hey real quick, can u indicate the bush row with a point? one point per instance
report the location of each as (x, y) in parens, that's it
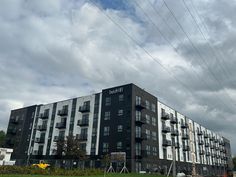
(50, 171)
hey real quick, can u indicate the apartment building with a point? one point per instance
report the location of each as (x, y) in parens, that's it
(119, 119)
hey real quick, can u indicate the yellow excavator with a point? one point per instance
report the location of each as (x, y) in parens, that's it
(41, 165)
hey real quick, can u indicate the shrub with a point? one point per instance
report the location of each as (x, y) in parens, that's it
(50, 171)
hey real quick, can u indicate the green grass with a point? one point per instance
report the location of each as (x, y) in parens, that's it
(107, 175)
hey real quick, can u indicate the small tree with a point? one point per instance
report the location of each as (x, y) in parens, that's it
(2, 138)
(70, 149)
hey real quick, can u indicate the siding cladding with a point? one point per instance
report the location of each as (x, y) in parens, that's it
(120, 119)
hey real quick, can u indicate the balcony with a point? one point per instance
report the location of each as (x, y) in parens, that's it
(186, 148)
(212, 138)
(44, 115)
(222, 143)
(174, 132)
(199, 133)
(176, 145)
(140, 120)
(84, 108)
(206, 135)
(141, 137)
(12, 131)
(62, 112)
(173, 120)
(207, 145)
(61, 125)
(184, 125)
(141, 154)
(82, 137)
(14, 121)
(200, 142)
(217, 148)
(213, 146)
(165, 129)
(216, 140)
(165, 116)
(39, 140)
(185, 136)
(42, 127)
(208, 153)
(58, 138)
(83, 122)
(140, 105)
(166, 143)
(201, 152)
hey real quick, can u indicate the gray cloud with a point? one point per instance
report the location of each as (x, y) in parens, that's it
(61, 49)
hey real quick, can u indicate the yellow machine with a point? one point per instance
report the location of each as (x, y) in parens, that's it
(42, 165)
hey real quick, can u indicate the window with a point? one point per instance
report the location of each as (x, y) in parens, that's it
(137, 131)
(120, 112)
(147, 104)
(148, 133)
(121, 97)
(154, 121)
(82, 146)
(105, 147)
(138, 100)
(154, 151)
(153, 107)
(148, 149)
(108, 101)
(119, 145)
(119, 128)
(137, 148)
(107, 115)
(106, 131)
(147, 119)
(138, 115)
(154, 136)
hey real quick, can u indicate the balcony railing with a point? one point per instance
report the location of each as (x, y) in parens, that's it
(14, 121)
(82, 137)
(61, 125)
(166, 143)
(83, 122)
(185, 136)
(140, 105)
(84, 108)
(165, 116)
(165, 129)
(173, 120)
(42, 127)
(200, 142)
(62, 112)
(44, 115)
(141, 137)
(58, 138)
(174, 132)
(199, 133)
(40, 140)
(186, 148)
(184, 125)
(140, 120)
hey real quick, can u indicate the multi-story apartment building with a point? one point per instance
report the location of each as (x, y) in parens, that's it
(119, 119)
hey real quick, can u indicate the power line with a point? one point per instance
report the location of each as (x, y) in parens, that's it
(146, 51)
(175, 49)
(196, 49)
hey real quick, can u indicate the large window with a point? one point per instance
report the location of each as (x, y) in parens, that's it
(108, 101)
(154, 136)
(121, 97)
(137, 148)
(138, 100)
(147, 104)
(147, 119)
(106, 131)
(119, 128)
(154, 121)
(154, 151)
(120, 112)
(105, 147)
(107, 115)
(148, 149)
(119, 145)
(138, 115)
(153, 107)
(137, 131)
(148, 133)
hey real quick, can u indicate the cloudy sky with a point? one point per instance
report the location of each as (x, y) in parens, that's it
(182, 51)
